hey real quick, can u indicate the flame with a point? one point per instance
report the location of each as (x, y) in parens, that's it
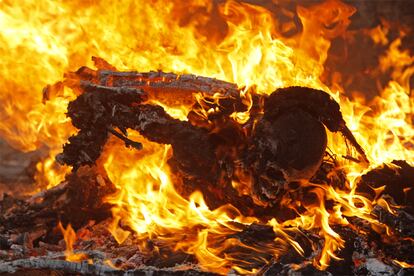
(49, 173)
(232, 41)
(403, 264)
(148, 202)
(69, 236)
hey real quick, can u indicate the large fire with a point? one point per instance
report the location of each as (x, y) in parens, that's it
(242, 43)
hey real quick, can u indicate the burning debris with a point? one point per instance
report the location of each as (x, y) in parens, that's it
(274, 157)
(292, 156)
(283, 142)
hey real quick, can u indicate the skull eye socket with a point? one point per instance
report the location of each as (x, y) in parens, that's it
(275, 174)
(294, 185)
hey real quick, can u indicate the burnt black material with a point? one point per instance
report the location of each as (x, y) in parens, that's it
(282, 145)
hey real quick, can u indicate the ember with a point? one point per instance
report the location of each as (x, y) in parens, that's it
(278, 144)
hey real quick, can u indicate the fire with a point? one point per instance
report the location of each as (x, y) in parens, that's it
(403, 264)
(237, 42)
(148, 202)
(69, 236)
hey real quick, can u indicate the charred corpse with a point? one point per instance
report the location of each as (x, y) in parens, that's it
(281, 144)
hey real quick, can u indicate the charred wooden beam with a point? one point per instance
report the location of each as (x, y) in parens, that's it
(48, 266)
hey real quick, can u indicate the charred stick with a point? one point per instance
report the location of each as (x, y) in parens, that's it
(116, 93)
(350, 158)
(351, 138)
(128, 142)
(157, 81)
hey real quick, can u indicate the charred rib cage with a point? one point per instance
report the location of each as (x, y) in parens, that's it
(281, 145)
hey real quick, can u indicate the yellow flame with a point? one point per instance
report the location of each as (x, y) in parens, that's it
(232, 41)
(69, 236)
(403, 264)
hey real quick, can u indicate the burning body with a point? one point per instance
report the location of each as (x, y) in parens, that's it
(262, 154)
(282, 142)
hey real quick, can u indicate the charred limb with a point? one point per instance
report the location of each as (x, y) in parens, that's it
(77, 200)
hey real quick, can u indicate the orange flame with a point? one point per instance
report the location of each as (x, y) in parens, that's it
(232, 41)
(403, 264)
(69, 236)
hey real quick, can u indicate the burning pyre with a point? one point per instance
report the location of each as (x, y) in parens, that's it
(177, 173)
